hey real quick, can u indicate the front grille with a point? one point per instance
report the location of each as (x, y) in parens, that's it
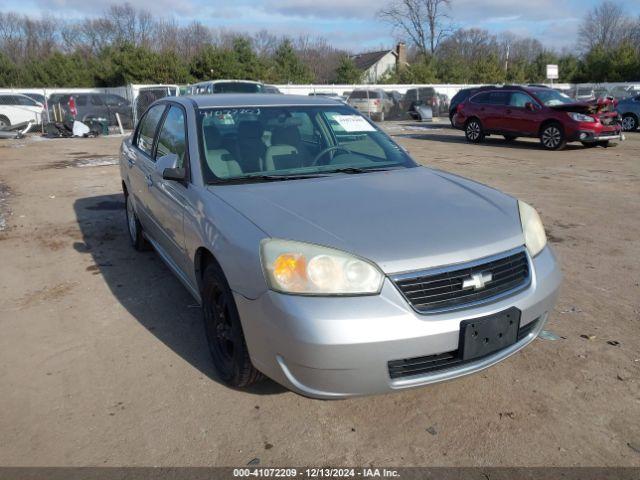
(442, 289)
(407, 367)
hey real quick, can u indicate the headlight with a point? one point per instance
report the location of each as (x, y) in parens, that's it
(307, 269)
(579, 117)
(534, 237)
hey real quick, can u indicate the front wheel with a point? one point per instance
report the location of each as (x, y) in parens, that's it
(224, 332)
(552, 137)
(473, 131)
(629, 122)
(4, 122)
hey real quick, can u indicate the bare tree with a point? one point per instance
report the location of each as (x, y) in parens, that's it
(605, 25)
(425, 22)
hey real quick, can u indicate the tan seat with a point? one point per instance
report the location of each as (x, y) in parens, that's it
(285, 150)
(219, 160)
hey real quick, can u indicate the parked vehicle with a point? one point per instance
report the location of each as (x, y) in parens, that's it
(323, 256)
(629, 110)
(585, 94)
(270, 89)
(444, 102)
(226, 86)
(556, 119)
(374, 103)
(92, 106)
(38, 97)
(332, 96)
(16, 108)
(620, 92)
(422, 96)
(461, 96)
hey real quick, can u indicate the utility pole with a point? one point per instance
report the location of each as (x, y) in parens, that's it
(506, 61)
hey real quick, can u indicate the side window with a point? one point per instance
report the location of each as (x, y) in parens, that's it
(519, 99)
(81, 100)
(305, 126)
(481, 98)
(499, 98)
(96, 100)
(172, 136)
(147, 129)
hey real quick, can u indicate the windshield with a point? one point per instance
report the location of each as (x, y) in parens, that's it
(552, 97)
(267, 143)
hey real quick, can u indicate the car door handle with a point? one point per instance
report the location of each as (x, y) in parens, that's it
(130, 162)
(149, 180)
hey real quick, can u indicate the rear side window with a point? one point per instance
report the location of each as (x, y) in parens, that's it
(364, 94)
(172, 136)
(81, 100)
(148, 127)
(492, 98)
(96, 100)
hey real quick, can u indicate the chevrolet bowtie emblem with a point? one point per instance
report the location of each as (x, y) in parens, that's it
(477, 280)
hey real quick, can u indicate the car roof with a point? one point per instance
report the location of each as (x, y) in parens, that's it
(254, 100)
(209, 82)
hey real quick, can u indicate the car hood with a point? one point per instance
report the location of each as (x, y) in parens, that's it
(576, 107)
(403, 220)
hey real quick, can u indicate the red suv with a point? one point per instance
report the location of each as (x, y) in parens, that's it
(536, 112)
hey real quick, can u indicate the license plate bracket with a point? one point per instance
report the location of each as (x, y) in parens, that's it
(483, 336)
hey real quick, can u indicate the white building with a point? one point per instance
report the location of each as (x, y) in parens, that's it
(375, 65)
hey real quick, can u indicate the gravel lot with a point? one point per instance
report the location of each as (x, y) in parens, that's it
(103, 358)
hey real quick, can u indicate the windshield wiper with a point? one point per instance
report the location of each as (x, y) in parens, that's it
(267, 178)
(356, 170)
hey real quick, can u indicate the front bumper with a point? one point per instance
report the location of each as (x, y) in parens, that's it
(589, 136)
(335, 347)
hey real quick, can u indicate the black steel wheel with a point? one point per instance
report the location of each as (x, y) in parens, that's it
(224, 331)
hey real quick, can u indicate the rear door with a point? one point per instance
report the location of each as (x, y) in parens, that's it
(494, 110)
(140, 165)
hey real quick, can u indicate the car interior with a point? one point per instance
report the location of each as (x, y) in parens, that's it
(243, 143)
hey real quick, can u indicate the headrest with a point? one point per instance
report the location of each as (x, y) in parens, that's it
(212, 138)
(250, 129)
(285, 136)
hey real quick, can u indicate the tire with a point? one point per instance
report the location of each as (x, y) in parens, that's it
(4, 122)
(473, 131)
(381, 116)
(224, 331)
(552, 137)
(136, 236)
(603, 143)
(509, 138)
(589, 144)
(629, 122)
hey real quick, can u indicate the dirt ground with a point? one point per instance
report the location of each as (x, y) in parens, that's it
(103, 358)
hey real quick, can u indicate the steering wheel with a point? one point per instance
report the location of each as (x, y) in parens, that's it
(327, 150)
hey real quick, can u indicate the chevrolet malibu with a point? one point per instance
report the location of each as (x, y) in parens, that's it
(323, 256)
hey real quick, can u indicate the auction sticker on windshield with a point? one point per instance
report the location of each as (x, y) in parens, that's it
(354, 123)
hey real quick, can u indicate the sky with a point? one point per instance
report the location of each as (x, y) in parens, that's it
(349, 24)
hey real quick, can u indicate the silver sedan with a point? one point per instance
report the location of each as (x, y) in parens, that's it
(323, 256)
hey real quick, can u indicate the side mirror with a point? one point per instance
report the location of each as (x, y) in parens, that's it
(168, 165)
(529, 106)
(176, 174)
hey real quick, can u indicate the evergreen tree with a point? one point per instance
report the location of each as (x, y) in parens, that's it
(347, 72)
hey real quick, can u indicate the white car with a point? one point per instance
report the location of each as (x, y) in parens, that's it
(16, 108)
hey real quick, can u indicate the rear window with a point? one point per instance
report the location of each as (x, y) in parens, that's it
(237, 87)
(365, 94)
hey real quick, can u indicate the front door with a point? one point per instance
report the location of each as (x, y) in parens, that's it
(523, 120)
(167, 197)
